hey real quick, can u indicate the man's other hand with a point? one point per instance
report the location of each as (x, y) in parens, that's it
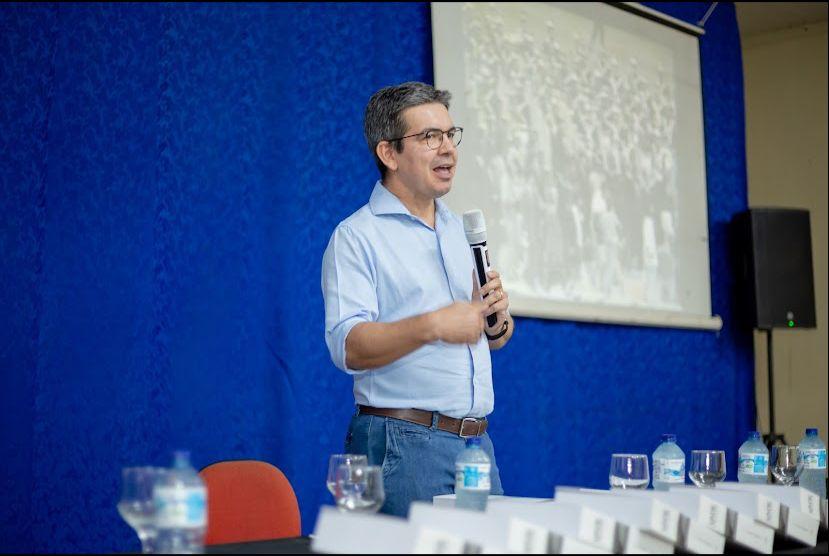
(460, 323)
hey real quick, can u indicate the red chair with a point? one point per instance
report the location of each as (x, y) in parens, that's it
(249, 500)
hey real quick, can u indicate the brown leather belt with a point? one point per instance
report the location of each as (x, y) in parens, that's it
(466, 427)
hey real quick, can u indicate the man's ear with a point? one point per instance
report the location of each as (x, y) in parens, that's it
(387, 155)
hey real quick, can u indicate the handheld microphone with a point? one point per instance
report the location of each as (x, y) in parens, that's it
(475, 229)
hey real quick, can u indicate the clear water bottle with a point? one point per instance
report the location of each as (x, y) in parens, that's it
(472, 483)
(181, 509)
(753, 460)
(813, 455)
(668, 464)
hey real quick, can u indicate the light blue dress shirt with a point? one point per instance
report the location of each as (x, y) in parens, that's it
(383, 264)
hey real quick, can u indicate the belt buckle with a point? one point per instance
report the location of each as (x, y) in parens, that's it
(463, 422)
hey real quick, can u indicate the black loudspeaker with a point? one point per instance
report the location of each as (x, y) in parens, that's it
(773, 248)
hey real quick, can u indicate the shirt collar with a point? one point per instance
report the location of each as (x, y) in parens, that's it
(383, 201)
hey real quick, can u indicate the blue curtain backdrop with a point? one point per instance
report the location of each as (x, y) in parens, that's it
(170, 178)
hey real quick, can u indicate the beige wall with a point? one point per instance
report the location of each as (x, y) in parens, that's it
(785, 76)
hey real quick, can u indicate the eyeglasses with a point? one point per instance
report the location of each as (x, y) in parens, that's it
(434, 137)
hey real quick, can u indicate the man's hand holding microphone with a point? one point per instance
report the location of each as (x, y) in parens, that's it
(462, 323)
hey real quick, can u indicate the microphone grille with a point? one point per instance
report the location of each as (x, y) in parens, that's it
(474, 226)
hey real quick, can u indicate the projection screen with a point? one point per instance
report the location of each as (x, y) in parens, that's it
(583, 146)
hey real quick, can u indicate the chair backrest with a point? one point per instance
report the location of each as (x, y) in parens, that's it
(249, 500)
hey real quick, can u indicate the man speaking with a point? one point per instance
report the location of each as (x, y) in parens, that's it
(403, 313)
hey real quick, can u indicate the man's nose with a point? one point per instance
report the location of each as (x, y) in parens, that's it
(446, 146)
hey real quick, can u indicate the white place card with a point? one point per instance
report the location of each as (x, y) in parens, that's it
(699, 539)
(353, 533)
(799, 526)
(744, 521)
(477, 529)
(697, 506)
(639, 541)
(769, 511)
(524, 537)
(799, 509)
(572, 528)
(649, 515)
(807, 501)
(824, 514)
(633, 519)
(795, 497)
(568, 545)
(767, 507)
(750, 503)
(747, 532)
(431, 541)
(692, 536)
(712, 514)
(598, 528)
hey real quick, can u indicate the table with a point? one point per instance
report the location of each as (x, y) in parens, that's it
(302, 545)
(293, 545)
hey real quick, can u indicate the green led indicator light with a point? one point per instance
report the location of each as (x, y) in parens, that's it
(791, 323)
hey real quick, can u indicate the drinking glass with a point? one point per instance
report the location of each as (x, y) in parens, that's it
(359, 488)
(136, 505)
(629, 471)
(335, 461)
(707, 467)
(785, 464)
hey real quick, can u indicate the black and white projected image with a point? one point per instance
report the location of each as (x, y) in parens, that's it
(573, 154)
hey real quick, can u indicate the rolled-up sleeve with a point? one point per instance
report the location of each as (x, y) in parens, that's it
(348, 289)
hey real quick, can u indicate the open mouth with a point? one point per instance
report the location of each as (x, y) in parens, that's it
(444, 171)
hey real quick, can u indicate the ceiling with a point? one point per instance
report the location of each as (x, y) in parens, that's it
(762, 17)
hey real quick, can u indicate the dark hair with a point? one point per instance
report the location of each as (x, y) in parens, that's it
(384, 113)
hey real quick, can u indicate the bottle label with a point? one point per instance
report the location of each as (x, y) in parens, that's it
(754, 464)
(472, 476)
(669, 470)
(814, 458)
(180, 507)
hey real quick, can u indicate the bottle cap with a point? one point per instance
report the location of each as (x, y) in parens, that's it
(811, 432)
(754, 434)
(473, 441)
(668, 437)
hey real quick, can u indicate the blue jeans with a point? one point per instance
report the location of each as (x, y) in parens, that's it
(418, 462)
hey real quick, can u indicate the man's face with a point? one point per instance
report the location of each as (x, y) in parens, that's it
(427, 172)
